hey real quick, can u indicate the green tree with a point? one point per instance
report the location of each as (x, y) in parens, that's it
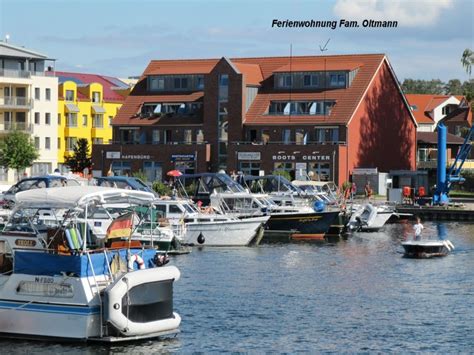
(453, 87)
(468, 89)
(140, 175)
(80, 159)
(434, 86)
(467, 60)
(17, 151)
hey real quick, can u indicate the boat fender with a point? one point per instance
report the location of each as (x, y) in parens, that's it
(201, 239)
(450, 244)
(319, 206)
(138, 259)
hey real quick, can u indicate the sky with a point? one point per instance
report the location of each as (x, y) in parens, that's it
(120, 37)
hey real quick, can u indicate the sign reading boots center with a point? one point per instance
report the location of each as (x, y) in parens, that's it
(289, 157)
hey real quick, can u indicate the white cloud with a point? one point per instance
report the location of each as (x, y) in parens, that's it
(418, 13)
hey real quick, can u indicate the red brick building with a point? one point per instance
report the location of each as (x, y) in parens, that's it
(326, 114)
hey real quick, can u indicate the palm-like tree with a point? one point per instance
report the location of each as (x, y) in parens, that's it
(467, 60)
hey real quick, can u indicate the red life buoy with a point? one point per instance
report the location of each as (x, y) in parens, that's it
(136, 259)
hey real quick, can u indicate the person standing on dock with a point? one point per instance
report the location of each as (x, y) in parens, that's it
(418, 227)
(368, 191)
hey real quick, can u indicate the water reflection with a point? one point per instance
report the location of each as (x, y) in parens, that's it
(357, 295)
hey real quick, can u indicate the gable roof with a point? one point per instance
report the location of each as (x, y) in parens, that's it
(107, 83)
(426, 103)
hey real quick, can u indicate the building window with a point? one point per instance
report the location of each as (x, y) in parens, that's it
(301, 137)
(47, 143)
(41, 169)
(167, 137)
(155, 136)
(337, 80)
(98, 121)
(223, 87)
(37, 142)
(48, 94)
(37, 94)
(111, 118)
(180, 83)
(153, 170)
(59, 119)
(311, 80)
(200, 83)
(96, 97)
(71, 119)
(69, 95)
(37, 118)
(284, 80)
(288, 167)
(70, 143)
(156, 83)
(47, 118)
(6, 91)
(457, 130)
(59, 143)
(122, 168)
(321, 171)
(188, 136)
(265, 136)
(84, 120)
(97, 140)
(199, 136)
(326, 135)
(249, 168)
(286, 136)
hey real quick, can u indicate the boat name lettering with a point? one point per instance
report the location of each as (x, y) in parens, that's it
(44, 280)
(25, 242)
(303, 157)
(48, 289)
(136, 156)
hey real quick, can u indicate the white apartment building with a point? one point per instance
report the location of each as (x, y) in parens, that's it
(28, 103)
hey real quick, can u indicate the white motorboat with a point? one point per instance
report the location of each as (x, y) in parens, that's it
(54, 284)
(427, 248)
(207, 227)
(367, 218)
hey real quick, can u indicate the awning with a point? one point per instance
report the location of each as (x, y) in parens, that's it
(97, 109)
(72, 108)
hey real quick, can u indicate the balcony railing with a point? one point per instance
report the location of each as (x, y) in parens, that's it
(16, 102)
(17, 126)
(24, 74)
(156, 143)
(288, 143)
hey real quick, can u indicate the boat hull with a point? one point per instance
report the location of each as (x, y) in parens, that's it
(223, 233)
(425, 249)
(284, 226)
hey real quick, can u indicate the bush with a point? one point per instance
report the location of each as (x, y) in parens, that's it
(140, 175)
(161, 188)
(283, 173)
(468, 185)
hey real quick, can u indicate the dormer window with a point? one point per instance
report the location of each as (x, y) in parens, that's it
(337, 80)
(180, 83)
(69, 95)
(96, 97)
(300, 108)
(310, 80)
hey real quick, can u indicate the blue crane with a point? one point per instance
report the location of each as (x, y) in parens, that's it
(443, 180)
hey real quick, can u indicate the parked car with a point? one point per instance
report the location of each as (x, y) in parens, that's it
(123, 182)
(36, 182)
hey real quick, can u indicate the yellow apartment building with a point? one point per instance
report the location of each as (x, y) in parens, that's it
(87, 105)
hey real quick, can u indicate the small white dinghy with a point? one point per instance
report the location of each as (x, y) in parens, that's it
(422, 249)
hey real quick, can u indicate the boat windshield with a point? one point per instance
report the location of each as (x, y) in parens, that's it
(271, 184)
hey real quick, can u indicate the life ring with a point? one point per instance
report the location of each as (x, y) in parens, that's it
(138, 259)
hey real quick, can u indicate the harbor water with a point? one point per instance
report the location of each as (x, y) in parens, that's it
(357, 295)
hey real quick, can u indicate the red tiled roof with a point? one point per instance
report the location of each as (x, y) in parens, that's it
(347, 99)
(251, 72)
(187, 66)
(432, 138)
(106, 82)
(317, 66)
(421, 101)
(257, 71)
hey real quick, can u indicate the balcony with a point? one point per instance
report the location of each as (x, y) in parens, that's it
(16, 126)
(21, 74)
(13, 102)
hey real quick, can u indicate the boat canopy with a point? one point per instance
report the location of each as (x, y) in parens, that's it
(79, 196)
(212, 182)
(269, 184)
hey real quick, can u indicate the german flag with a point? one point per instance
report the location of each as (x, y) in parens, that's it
(121, 227)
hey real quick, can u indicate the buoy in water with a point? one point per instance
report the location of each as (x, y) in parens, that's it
(201, 239)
